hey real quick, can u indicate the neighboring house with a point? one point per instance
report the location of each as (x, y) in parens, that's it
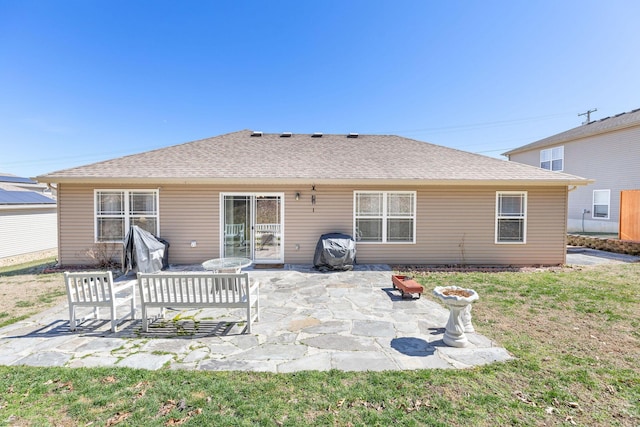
(269, 197)
(606, 150)
(28, 219)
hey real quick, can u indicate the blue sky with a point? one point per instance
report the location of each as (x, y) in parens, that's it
(83, 81)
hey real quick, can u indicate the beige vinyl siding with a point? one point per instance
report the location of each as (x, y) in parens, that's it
(76, 225)
(457, 226)
(454, 224)
(305, 223)
(193, 213)
(611, 159)
(24, 231)
(190, 214)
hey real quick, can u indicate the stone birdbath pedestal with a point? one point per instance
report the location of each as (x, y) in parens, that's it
(459, 302)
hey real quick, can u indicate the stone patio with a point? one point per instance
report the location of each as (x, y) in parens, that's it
(351, 321)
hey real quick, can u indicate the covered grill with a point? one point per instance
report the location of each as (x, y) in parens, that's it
(335, 251)
(144, 252)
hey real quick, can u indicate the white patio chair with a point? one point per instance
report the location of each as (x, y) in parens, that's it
(233, 232)
(96, 289)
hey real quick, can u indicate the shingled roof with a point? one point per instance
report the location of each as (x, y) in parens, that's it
(608, 124)
(247, 157)
(21, 197)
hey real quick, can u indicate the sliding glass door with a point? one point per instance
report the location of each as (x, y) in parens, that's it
(267, 229)
(236, 239)
(252, 226)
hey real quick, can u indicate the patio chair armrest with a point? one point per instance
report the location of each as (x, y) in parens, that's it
(254, 286)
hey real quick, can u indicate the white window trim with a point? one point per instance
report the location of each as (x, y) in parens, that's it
(593, 205)
(127, 223)
(252, 219)
(551, 159)
(385, 216)
(524, 217)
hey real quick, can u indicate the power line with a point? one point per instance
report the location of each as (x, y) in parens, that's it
(477, 125)
(588, 114)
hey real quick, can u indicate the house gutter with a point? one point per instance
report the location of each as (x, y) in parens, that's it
(317, 181)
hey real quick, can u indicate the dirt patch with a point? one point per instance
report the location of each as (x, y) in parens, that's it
(458, 268)
(27, 294)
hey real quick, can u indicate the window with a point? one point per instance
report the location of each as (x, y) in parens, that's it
(385, 216)
(117, 210)
(511, 216)
(601, 199)
(552, 159)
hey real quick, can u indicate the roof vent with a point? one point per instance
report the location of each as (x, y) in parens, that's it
(352, 135)
(256, 133)
(317, 135)
(286, 135)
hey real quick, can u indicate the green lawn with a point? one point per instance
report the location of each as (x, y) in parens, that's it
(575, 334)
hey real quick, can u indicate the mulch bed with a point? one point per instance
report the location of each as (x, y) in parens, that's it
(62, 269)
(396, 267)
(474, 268)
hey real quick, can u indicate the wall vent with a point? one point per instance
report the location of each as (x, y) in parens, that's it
(256, 133)
(352, 135)
(286, 135)
(317, 135)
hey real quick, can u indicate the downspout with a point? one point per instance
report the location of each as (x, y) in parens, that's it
(584, 211)
(54, 193)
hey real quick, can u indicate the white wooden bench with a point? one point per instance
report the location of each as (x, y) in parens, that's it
(96, 289)
(198, 290)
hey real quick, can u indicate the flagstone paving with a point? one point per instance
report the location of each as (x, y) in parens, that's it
(351, 321)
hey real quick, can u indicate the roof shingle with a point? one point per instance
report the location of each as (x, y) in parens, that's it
(608, 124)
(241, 157)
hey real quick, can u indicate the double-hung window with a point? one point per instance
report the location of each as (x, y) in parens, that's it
(601, 202)
(511, 217)
(552, 159)
(385, 216)
(117, 210)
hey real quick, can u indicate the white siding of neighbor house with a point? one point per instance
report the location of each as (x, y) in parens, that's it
(23, 231)
(454, 224)
(611, 159)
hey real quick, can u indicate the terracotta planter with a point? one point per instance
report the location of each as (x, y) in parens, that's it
(407, 285)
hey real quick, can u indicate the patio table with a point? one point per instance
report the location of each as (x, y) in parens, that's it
(226, 265)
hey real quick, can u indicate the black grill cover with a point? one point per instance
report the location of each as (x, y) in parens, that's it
(145, 252)
(335, 251)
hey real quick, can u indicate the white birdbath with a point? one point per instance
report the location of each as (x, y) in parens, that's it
(459, 302)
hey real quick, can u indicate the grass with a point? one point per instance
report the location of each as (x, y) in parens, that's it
(32, 267)
(25, 290)
(574, 334)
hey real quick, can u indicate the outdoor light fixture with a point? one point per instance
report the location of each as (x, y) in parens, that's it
(297, 196)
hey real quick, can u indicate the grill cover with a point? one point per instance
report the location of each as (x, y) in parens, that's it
(145, 252)
(335, 251)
